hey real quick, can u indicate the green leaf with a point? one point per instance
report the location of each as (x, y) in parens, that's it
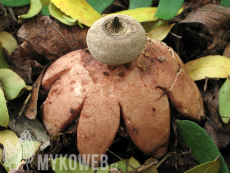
(12, 149)
(4, 116)
(45, 11)
(209, 167)
(139, 3)
(15, 3)
(119, 165)
(35, 8)
(8, 41)
(224, 101)
(134, 163)
(3, 61)
(100, 5)
(225, 3)
(167, 9)
(12, 83)
(202, 146)
(58, 14)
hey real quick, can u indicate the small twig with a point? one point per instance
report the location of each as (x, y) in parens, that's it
(24, 105)
(122, 160)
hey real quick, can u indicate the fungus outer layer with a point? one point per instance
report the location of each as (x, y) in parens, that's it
(116, 39)
(79, 85)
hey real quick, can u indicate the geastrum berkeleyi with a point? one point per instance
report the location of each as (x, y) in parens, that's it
(101, 93)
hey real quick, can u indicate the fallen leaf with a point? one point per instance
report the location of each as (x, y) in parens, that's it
(8, 41)
(31, 107)
(29, 148)
(139, 3)
(214, 66)
(35, 8)
(167, 9)
(213, 16)
(59, 15)
(5, 19)
(99, 6)
(78, 9)
(152, 169)
(12, 149)
(225, 3)
(133, 162)
(52, 40)
(148, 26)
(12, 83)
(23, 61)
(141, 14)
(227, 51)
(13, 3)
(210, 167)
(4, 116)
(160, 32)
(224, 101)
(3, 61)
(202, 146)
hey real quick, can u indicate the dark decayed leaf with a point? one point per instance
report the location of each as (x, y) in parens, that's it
(167, 9)
(15, 3)
(99, 6)
(202, 146)
(139, 3)
(214, 17)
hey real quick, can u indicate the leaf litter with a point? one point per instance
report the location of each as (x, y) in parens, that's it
(194, 35)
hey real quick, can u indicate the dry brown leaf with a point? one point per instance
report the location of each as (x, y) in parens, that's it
(31, 107)
(214, 17)
(52, 39)
(23, 61)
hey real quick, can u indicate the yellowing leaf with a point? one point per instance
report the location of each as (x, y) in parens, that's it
(8, 41)
(35, 8)
(12, 149)
(209, 167)
(59, 15)
(160, 32)
(148, 26)
(214, 66)
(12, 83)
(133, 162)
(78, 9)
(29, 148)
(141, 14)
(4, 116)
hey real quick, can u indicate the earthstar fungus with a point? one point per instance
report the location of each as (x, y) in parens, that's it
(138, 91)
